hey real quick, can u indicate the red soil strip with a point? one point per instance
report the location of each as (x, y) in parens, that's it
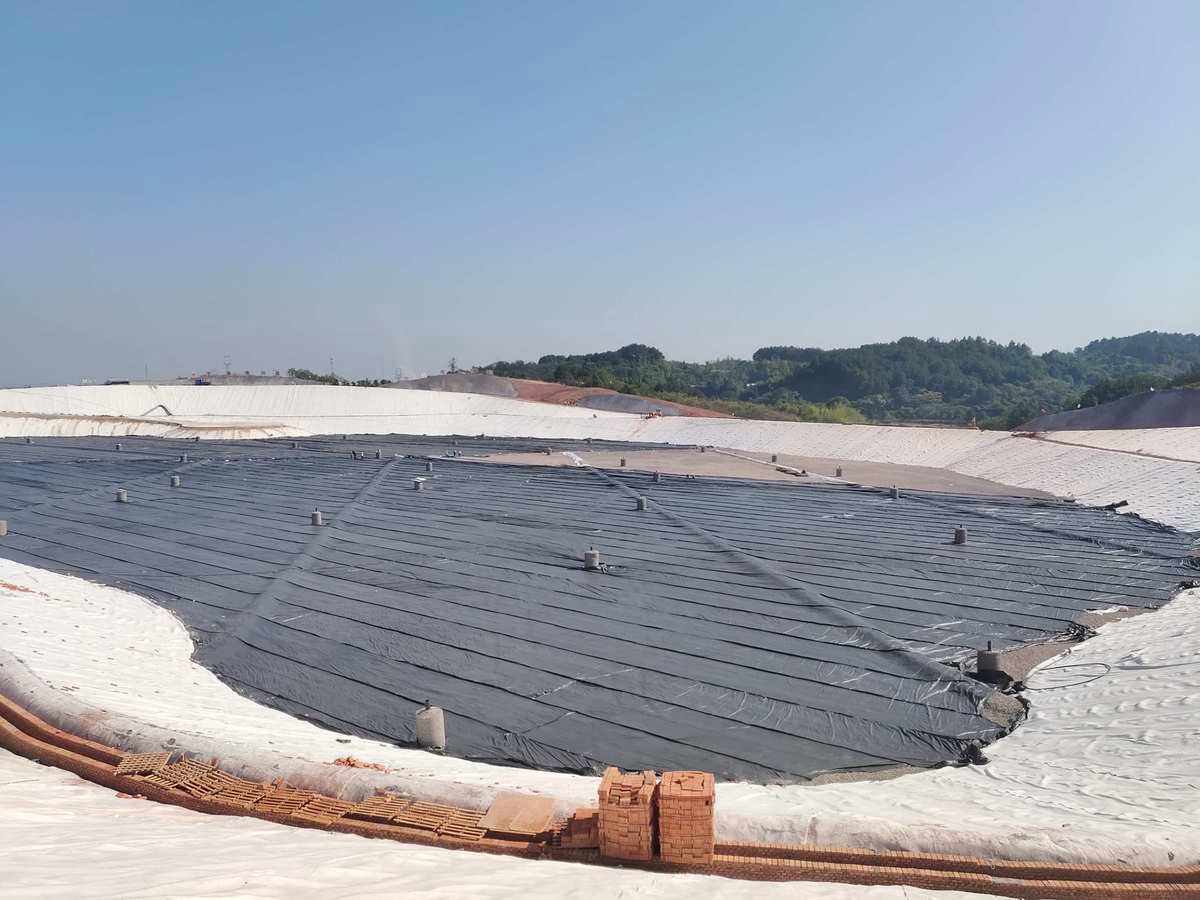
(351, 762)
(566, 395)
(25, 734)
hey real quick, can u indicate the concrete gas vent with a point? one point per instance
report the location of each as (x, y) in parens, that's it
(591, 560)
(431, 728)
(122, 496)
(960, 535)
(317, 518)
(987, 666)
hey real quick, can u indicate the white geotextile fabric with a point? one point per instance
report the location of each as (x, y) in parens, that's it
(61, 837)
(1179, 443)
(1162, 490)
(1101, 771)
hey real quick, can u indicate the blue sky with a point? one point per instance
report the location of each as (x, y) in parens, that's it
(395, 184)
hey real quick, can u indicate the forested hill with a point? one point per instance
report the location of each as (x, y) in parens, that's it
(909, 380)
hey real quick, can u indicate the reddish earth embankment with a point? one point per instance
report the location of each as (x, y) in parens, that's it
(560, 394)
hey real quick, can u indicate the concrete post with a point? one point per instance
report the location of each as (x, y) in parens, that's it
(431, 728)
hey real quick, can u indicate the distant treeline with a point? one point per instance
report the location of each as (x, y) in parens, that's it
(910, 380)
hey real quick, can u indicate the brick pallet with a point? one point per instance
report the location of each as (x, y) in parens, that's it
(24, 733)
(686, 802)
(627, 814)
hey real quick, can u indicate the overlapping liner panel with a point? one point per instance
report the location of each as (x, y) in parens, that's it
(761, 631)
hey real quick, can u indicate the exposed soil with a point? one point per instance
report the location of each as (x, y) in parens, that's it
(550, 392)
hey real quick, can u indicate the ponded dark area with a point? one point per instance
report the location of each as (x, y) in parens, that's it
(1153, 409)
(762, 631)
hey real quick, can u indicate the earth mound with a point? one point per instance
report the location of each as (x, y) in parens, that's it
(551, 392)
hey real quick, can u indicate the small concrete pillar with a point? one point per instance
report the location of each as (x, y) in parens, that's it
(641, 504)
(960, 535)
(122, 496)
(895, 492)
(591, 559)
(418, 484)
(317, 518)
(3, 527)
(431, 728)
(176, 481)
(987, 662)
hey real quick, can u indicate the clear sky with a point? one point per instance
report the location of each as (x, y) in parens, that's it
(393, 184)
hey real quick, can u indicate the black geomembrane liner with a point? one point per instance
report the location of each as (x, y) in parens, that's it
(763, 631)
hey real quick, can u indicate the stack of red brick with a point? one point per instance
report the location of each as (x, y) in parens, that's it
(634, 810)
(685, 817)
(627, 809)
(582, 831)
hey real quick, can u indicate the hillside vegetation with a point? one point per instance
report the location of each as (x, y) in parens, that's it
(910, 380)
